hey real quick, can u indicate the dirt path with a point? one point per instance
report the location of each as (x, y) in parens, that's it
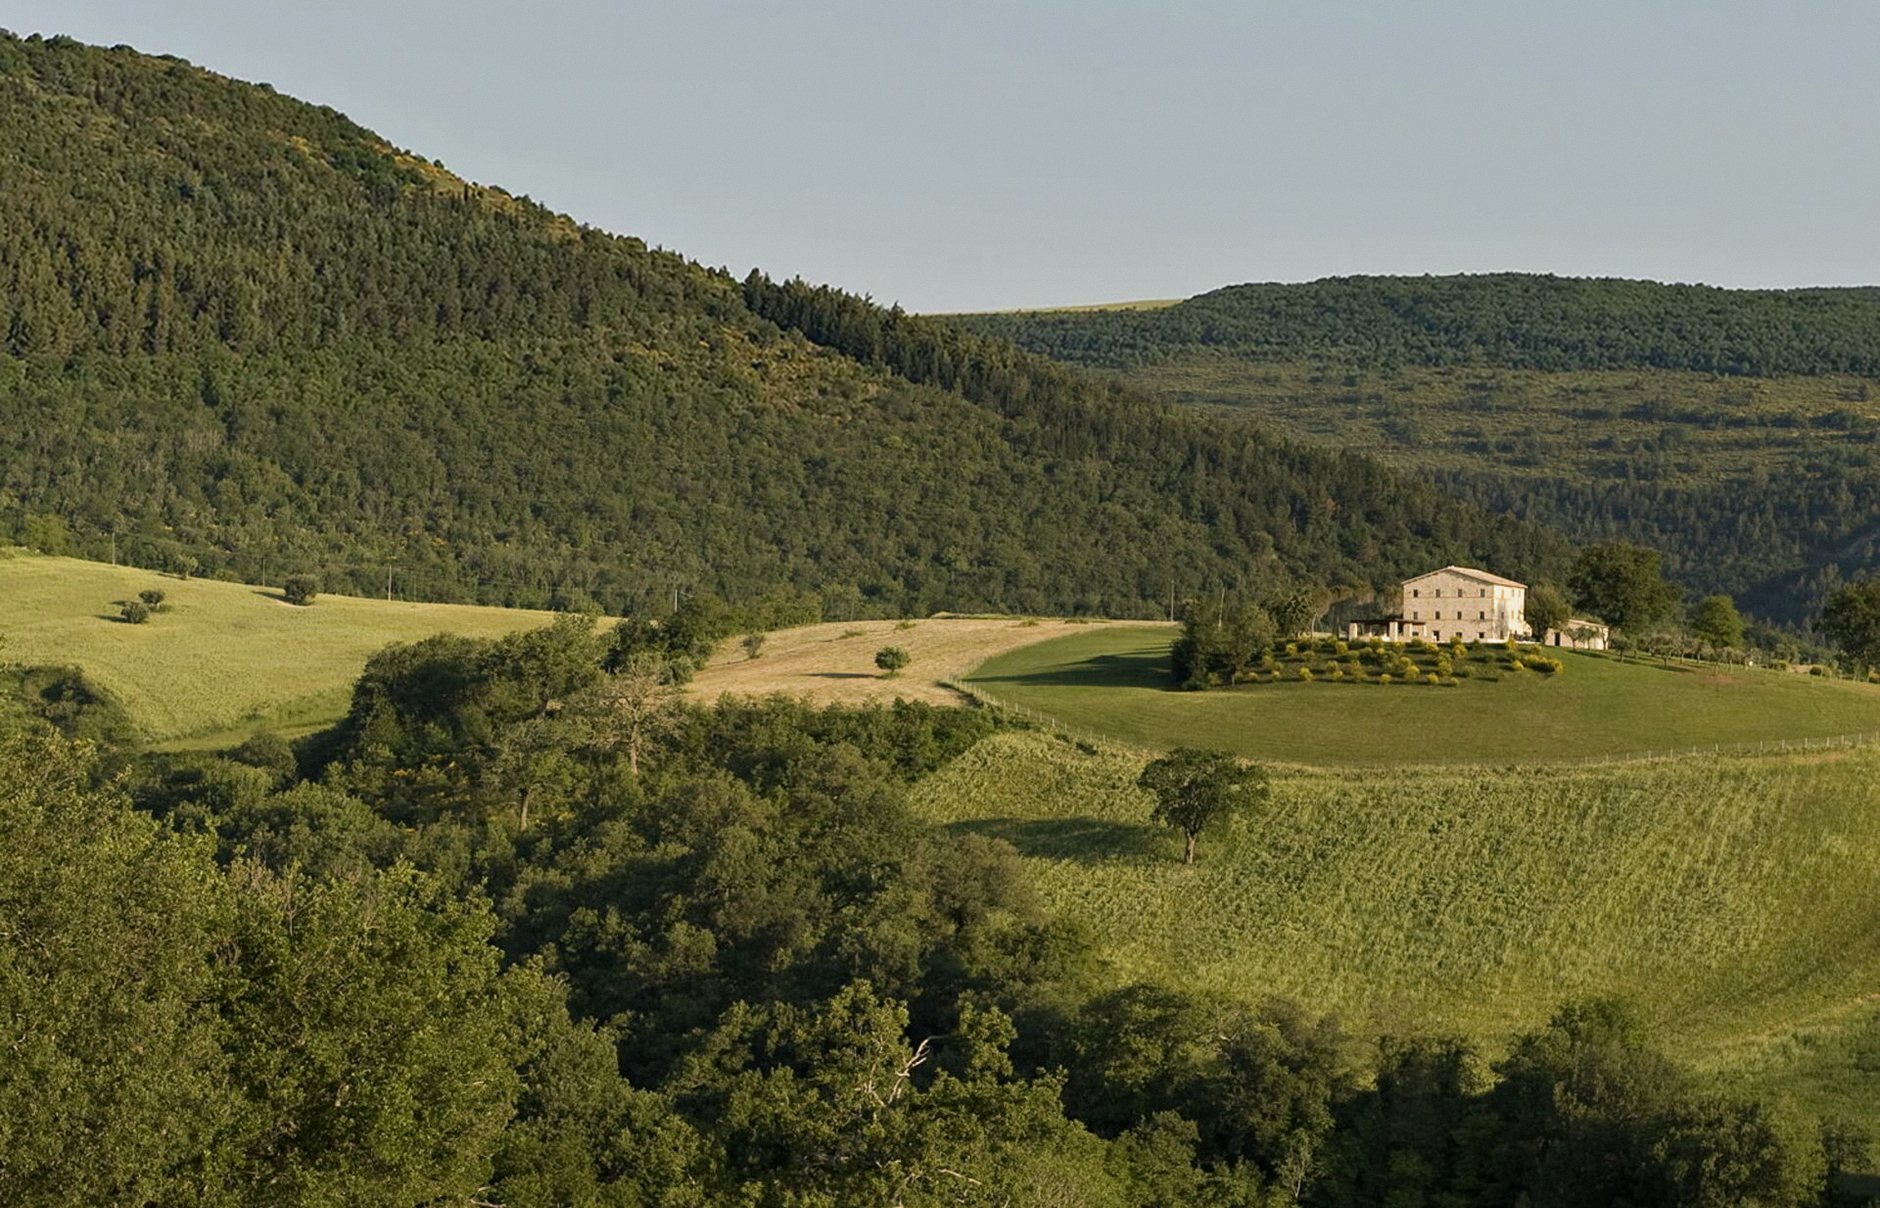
(834, 663)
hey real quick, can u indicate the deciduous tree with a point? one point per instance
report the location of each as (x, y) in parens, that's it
(1196, 789)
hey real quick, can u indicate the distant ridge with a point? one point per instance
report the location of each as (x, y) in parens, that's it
(1514, 320)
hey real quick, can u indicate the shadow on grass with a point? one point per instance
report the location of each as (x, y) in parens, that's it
(1085, 840)
(841, 675)
(1140, 669)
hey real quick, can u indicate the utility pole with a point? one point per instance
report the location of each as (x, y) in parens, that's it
(388, 580)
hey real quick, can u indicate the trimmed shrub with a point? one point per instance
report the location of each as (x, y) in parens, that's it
(891, 659)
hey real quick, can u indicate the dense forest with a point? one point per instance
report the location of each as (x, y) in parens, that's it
(1736, 430)
(244, 336)
(480, 946)
(1513, 320)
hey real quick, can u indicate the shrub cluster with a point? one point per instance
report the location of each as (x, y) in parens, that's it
(1375, 661)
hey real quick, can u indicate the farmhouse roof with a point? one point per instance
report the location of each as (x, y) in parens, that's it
(1470, 572)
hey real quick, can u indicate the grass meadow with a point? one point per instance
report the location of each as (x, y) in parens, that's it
(1732, 897)
(1114, 683)
(219, 659)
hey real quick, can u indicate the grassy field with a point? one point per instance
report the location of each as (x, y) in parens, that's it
(220, 659)
(1114, 684)
(834, 663)
(1731, 897)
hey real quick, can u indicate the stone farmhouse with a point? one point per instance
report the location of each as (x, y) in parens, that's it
(1474, 605)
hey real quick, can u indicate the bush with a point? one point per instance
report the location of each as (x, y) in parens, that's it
(152, 596)
(891, 659)
(753, 645)
(268, 751)
(1305, 675)
(300, 589)
(135, 612)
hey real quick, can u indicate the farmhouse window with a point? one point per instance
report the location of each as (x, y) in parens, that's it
(1481, 616)
(1414, 592)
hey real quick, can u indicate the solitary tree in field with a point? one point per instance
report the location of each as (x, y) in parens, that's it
(136, 612)
(891, 659)
(152, 596)
(1851, 619)
(1196, 789)
(300, 589)
(1716, 620)
(753, 645)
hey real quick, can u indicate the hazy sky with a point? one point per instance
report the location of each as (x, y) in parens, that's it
(979, 155)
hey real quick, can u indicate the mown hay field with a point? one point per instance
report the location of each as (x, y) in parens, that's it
(218, 659)
(1115, 684)
(1732, 898)
(834, 662)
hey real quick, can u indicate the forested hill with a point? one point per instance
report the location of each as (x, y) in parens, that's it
(241, 331)
(1735, 430)
(1508, 320)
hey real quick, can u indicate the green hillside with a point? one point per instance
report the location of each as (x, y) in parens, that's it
(241, 329)
(1115, 683)
(1509, 320)
(218, 659)
(1733, 429)
(1730, 898)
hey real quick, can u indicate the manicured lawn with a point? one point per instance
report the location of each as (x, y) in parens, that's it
(1114, 683)
(220, 659)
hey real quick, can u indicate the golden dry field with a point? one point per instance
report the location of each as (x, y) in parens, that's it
(834, 663)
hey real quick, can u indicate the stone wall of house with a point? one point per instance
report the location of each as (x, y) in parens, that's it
(1443, 603)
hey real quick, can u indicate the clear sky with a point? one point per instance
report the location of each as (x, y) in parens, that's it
(966, 155)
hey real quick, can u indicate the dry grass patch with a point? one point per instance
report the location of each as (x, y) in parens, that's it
(834, 663)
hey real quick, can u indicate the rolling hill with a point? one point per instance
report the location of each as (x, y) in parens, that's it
(1115, 685)
(242, 330)
(218, 659)
(1733, 429)
(1729, 898)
